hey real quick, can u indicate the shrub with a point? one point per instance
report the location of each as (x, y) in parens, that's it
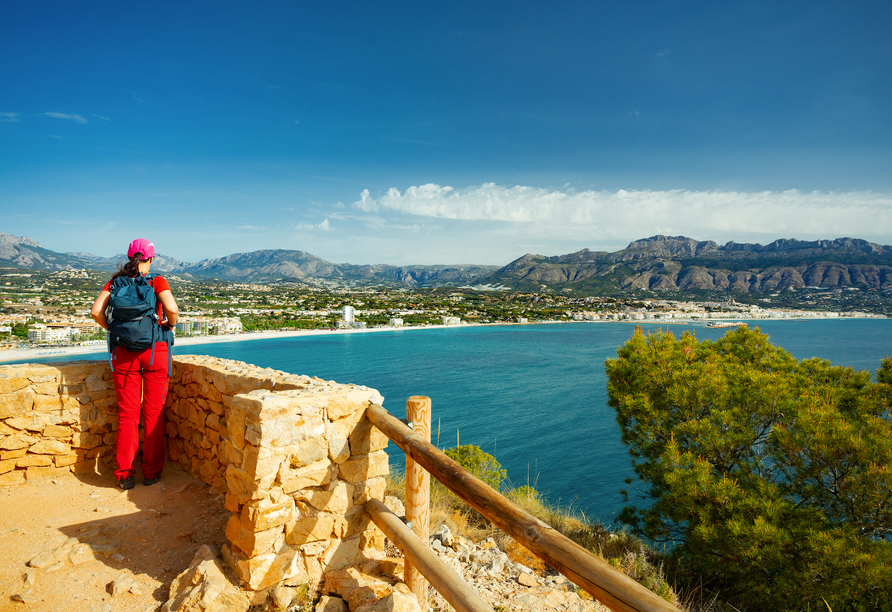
(482, 465)
(770, 476)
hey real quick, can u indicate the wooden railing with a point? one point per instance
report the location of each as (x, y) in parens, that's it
(610, 586)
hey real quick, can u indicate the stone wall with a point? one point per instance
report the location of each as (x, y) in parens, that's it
(294, 455)
(55, 418)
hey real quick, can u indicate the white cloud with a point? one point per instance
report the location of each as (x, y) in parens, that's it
(101, 117)
(631, 214)
(249, 227)
(75, 118)
(325, 226)
(9, 117)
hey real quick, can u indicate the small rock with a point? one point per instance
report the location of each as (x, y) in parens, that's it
(497, 563)
(104, 546)
(121, 585)
(281, 597)
(395, 602)
(44, 559)
(527, 580)
(55, 566)
(331, 604)
(437, 546)
(445, 536)
(81, 553)
(395, 505)
(25, 597)
(28, 578)
(90, 533)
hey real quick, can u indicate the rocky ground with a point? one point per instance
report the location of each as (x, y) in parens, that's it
(506, 585)
(78, 543)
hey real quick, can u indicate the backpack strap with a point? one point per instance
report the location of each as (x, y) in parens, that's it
(111, 350)
(166, 336)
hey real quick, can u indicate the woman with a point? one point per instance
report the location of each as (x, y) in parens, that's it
(140, 374)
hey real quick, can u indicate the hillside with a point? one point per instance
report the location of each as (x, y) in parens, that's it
(257, 266)
(659, 263)
(664, 263)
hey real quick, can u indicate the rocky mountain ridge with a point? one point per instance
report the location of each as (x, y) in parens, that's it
(658, 263)
(678, 263)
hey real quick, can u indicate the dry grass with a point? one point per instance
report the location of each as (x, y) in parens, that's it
(622, 550)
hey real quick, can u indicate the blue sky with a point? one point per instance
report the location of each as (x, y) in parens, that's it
(460, 132)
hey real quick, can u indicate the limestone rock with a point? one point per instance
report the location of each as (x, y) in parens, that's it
(339, 448)
(81, 553)
(336, 498)
(12, 478)
(309, 529)
(122, 584)
(395, 602)
(526, 580)
(203, 587)
(25, 597)
(331, 604)
(16, 403)
(265, 514)
(369, 489)
(52, 556)
(444, 535)
(280, 598)
(313, 475)
(267, 570)
(364, 467)
(49, 447)
(18, 441)
(248, 540)
(395, 505)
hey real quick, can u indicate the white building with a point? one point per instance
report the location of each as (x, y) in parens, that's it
(396, 322)
(451, 321)
(50, 334)
(349, 314)
(203, 326)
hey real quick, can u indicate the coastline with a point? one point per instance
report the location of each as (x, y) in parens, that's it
(39, 353)
(19, 354)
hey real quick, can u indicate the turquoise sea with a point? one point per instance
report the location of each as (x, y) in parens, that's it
(534, 396)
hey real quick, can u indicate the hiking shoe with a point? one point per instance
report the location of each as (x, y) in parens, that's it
(127, 483)
(150, 481)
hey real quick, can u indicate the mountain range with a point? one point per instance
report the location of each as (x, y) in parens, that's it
(659, 263)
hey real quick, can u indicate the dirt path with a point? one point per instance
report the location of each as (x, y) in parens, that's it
(95, 533)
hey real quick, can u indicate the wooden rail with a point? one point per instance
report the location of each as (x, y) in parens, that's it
(594, 575)
(453, 589)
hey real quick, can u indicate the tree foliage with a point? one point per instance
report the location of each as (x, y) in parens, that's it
(770, 476)
(482, 465)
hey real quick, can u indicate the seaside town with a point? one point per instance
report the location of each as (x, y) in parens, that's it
(49, 309)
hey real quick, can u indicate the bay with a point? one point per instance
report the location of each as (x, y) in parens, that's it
(534, 396)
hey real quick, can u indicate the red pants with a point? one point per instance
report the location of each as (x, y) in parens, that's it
(136, 380)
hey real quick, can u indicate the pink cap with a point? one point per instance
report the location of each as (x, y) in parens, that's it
(143, 246)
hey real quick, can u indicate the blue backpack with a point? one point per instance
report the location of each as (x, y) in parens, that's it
(133, 317)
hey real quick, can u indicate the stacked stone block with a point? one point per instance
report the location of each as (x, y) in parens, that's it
(55, 418)
(295, 456)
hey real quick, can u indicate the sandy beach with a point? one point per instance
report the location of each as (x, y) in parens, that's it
(38, 353)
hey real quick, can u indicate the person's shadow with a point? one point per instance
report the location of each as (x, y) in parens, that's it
(152, 531)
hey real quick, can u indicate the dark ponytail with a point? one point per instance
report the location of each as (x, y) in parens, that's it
(131, 268)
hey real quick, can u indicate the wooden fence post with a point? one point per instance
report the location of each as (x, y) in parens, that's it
(418, 492)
